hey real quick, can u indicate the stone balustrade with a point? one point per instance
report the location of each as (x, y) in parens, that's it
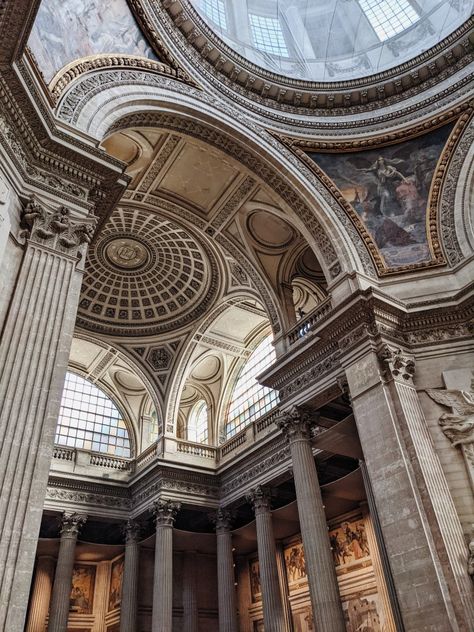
(305, 326)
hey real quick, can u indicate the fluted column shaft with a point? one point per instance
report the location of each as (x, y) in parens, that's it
(227, 601)
(41, 594)
(273, 613)
(34, 351)
(284, 585)
(190, 602)
(162, 616)
(324, 592)
(129, 604)
(59, 610)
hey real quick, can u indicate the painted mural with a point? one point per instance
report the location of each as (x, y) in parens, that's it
(115, 590)
(349, 545)
(254, 573)
(364, 614)
(81, 600)
(295, 564)
(68, 30)
(389, 190)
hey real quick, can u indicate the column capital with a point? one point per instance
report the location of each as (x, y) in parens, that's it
(397, 365)
(223, 519)
(165, 512)
(56, 228)
(295, 424)
(71, 524)
(260, 499)
(131, 531)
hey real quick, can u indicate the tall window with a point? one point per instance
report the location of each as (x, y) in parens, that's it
(250, 400)
(389, 17)
(215, 11)
(198, 423)
(89, 419)
(267, 35)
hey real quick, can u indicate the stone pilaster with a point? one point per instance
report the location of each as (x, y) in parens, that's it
(41, 594)
(190, 601)
(410, 493)
(225, 572)
(162, 616)
(129, 604)
(273, 614)
(59, 610)
(34, 351)
(324, 592)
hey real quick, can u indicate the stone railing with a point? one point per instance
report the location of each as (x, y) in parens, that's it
(266, 421)
(233, 443)
(307, 324)
(197, 449)
(111, 462)
(64, 454)
(148, 455)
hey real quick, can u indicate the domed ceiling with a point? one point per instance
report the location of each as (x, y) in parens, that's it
(144, 275)
(332, 40)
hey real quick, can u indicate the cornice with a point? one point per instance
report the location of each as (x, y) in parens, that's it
(257, 88)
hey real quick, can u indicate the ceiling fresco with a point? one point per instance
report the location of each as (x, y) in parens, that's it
(68, 30)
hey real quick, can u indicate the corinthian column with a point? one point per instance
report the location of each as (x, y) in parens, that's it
(34, 351)
(41, 595)
(225, 572)
(129, 605)
(162, 617)
(273, 613)
(59, 611)
(324, 592)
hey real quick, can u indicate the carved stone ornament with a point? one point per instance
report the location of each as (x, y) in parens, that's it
(56, 229)
(132, 531)
(260, 498)
(223, 519)
(71, 523)
(295, 424)
(459, 425)
(165, 512)
(397, 365)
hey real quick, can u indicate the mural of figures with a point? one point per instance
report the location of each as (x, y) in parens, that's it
(362, 615)
(349, 543)
(255, 588)
(295, 563)
(81, 600)
(303, 620)
(389, 190)
(115, 591)
(68, 30)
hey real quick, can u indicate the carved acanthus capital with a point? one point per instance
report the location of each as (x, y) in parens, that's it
(131, 531)
(397, 365)
(261, 499)
(165, 512)
(56, 228)
(295, 424)
(71, 523)
(223, 519)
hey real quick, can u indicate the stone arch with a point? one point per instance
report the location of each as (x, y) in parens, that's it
(109, 101)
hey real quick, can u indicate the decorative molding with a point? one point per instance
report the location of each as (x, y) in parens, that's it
(397, 365)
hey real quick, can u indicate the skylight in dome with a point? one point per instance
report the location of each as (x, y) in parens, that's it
(389, 17)
(268, 35)
(215, 11)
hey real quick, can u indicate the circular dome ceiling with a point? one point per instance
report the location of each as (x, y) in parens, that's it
(145, 275)
(332, 40)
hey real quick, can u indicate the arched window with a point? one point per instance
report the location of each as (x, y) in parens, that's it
(250, 400)
(198, 423)
(89, 419)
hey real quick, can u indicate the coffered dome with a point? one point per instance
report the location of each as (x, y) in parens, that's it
(145, 274)
(336, 40)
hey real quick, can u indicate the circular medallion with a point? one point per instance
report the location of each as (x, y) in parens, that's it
(126, 253)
